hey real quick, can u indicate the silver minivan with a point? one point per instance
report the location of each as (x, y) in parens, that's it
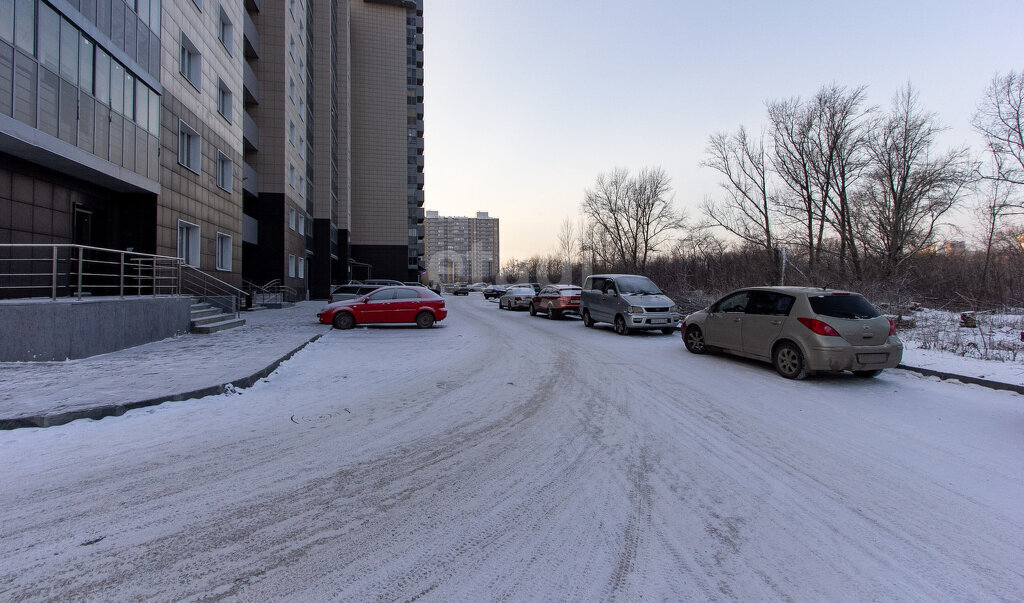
(628, 302)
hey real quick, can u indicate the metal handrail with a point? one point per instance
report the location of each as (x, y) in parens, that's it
(209, 282)
(68, 268)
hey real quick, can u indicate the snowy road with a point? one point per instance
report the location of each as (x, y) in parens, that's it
(502, 456)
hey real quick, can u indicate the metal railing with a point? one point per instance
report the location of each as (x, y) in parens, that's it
(65, 270)
(77, 271)
(226, 296)
(273, 291)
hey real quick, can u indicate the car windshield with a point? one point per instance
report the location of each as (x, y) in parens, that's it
(843, 306)
(637, 285)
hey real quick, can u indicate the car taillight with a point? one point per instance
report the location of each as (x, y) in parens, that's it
(892, 327)
(818, 327)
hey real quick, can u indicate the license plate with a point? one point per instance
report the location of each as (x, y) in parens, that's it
(872, 358)
(659, 321)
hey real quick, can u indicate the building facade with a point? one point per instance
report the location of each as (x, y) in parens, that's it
(80, 122)
(259, 141)
(461, 249)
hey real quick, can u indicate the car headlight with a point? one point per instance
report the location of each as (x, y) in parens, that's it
(635, 310)
(674, 309)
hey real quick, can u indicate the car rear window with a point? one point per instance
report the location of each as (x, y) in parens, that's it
(842, 306)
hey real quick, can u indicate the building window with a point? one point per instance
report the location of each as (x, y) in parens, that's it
(291, 265)
(190, 147)
(291, 218)
(224, 100)
(226, 32)
(291, 89)
(302, 225)
(223, 251)
(191, 62)
(225, 171)
(302, 147)
(302, 187)
(302, 267)
(291, 176)
(291, 132)
(188, 243)
(291, 47)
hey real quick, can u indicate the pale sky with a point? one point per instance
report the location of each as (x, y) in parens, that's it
(527, 101)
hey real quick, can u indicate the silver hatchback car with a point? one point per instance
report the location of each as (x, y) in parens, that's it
(800, 330)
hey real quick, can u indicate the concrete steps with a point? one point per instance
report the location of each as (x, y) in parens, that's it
(206, 318)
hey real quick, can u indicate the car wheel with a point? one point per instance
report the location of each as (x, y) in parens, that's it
(424, 320)
(867, 374)
(552, 313)
(587, 321)
(533, 311)
(789, 361)
(620, 325)
(344, 320)
(694, 340)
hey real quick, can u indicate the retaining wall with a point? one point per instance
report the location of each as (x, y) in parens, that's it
(69, 329)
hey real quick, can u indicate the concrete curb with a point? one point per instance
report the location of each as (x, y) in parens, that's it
(116, 410)
(964, 379)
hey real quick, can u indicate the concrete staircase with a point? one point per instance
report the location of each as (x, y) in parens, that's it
(206, 318)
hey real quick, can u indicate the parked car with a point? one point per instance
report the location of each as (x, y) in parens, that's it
(381, 281)
(516, 298)
(386, 305)
(556, 300)
(628, 302)
(343, 292)
(494, 291)
(800, 330)
(535, 286)
(462, 290)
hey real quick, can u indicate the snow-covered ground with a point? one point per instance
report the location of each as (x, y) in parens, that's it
(993, 350)
(501, 456)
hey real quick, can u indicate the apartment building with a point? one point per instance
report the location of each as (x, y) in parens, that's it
(461, 249)
(259, 141)
(80, 122)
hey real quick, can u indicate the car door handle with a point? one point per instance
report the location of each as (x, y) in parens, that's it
(776, 322)
(737, 320)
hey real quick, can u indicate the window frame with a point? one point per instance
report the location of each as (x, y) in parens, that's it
(224, 253)
(225, 101)
(225, 181)
(226, 32)
(194, 143)
(192, 242)
(190, 62)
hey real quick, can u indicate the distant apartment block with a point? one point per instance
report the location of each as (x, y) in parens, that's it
(258, 141)
(461, 249)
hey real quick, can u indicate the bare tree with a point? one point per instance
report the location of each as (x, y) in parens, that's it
(569, 241)
(839, 159)
(747, 210)
(1000, 120)
(631, 216)
(995, 204)
(795, 161)
(908, 190)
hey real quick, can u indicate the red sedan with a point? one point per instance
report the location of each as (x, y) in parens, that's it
(555, 300)
(386, 305)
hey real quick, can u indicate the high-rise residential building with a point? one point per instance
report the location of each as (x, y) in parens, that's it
(80, 122)
(461, 249)
(259, 141)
